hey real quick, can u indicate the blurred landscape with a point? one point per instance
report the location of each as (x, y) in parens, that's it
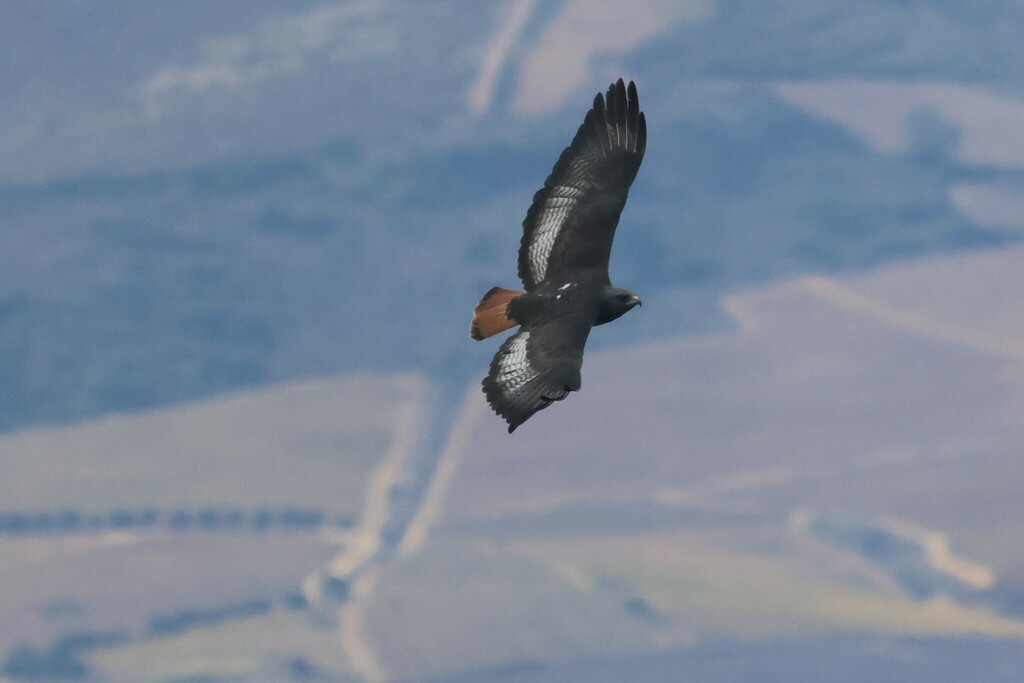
(241, 430)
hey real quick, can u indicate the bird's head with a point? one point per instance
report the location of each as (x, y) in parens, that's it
(616, 302)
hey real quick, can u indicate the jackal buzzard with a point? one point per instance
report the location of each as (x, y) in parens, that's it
(563, 263)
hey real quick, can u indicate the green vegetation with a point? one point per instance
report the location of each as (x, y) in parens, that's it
(279, 645)
(61, 660)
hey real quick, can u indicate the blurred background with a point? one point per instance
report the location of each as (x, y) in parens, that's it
(241, 431)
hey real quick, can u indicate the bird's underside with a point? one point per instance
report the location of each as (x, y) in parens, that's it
(563, 263)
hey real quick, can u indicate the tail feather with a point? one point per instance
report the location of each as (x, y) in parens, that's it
(491, 315)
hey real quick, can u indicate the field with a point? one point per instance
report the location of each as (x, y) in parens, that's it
(846, 462)
(183, 542)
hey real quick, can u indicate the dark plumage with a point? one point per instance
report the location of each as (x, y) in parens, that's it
(563, 263)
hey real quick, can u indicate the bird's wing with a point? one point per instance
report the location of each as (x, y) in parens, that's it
(538, 366)
(571, 223)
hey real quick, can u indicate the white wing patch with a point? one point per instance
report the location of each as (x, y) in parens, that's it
(560, 202)
(514, 370)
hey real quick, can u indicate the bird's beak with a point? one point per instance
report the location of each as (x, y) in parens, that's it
(636, 301)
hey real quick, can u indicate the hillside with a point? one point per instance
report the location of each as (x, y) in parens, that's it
(846, 462)
(238, 194)
(141, 531)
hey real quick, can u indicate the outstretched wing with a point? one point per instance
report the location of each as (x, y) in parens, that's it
(537, 367)
(571, 223)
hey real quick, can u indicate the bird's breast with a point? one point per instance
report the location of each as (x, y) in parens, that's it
(547, 303)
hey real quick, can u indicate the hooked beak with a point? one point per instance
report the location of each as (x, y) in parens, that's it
(636, 301)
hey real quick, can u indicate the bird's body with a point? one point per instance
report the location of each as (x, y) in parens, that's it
(550, 301)
(563, 263)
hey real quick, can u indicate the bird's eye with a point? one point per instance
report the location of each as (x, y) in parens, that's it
(623, 297)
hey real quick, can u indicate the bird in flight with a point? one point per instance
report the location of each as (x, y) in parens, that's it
(563, 263)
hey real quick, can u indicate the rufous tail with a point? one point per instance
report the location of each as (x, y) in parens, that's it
(491, 315)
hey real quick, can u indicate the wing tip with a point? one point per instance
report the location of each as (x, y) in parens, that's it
(516, 412)
(500, 404)
(619, 112)
(641, 133)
